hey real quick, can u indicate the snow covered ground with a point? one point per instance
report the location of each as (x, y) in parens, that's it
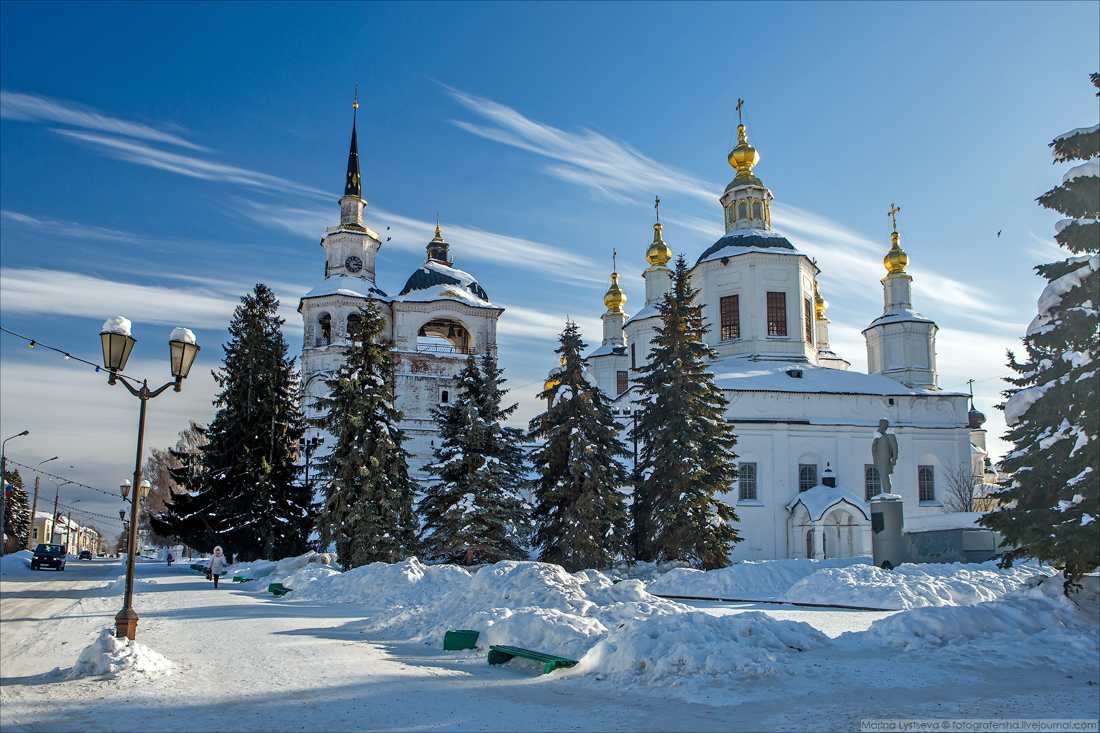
(362, 650)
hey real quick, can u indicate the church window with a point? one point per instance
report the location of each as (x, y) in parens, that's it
(353, 323)
(743, 210)
(777, 314)
(926, 483)
(807, 476)
(444, 397)
(809, 321)
(731, 320)
(756, 212)
(746, 482)
(872, 484)
(324, 338)
(633, 364)
(621, 382)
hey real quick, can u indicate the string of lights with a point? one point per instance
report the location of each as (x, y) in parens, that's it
(32, 343)
(115, 494)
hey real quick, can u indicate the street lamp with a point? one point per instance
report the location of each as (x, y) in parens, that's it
(3, 489)
(117, 345)
(56, 497)
(34, 504)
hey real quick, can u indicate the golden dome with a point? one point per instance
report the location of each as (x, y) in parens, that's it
(744, 156)
(615, 296)
(896, 259)
(658, 253)
(820, 304)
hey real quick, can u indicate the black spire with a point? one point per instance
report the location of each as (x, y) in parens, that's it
(352, 187)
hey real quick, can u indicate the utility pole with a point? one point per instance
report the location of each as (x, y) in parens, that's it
(34, 505)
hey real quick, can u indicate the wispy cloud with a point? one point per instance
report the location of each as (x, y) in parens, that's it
(186, 165)
(209, 304)
(586, 158)
(521, 322)
(66, 229)
(34, 108)
(467, 243)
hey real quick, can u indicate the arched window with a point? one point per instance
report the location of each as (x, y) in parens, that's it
(743, 210)
(353, 324)
(756, 212)
(324, 337)
(444, 397)
(810, 544)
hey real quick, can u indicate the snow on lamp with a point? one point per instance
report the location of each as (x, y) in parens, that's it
(145, 488)
(117, 344)
(124, 488)
(184, 350)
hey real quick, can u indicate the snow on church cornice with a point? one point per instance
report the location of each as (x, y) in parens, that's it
(745, 374)
(747, 240)
(435, 281)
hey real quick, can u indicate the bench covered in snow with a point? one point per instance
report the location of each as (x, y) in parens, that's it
(501, 654)
(241, 579)
(278, 589)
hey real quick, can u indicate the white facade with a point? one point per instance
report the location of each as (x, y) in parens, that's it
(804, 422)
(440, 316)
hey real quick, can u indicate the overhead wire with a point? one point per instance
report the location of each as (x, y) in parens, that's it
(35, 342)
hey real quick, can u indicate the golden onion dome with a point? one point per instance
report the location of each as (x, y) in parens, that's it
(744, 156)
(820, 304)
(658, 253)
(553, 379)
(615, 297)
(896, 259)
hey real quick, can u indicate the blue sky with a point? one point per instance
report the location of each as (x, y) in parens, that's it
(158, 160)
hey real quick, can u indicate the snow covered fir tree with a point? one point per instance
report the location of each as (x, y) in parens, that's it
(580, 511)
(368, 495)
(1051, 509)
(17, 512)
(687, 454)
(248, 497)
(474, 512)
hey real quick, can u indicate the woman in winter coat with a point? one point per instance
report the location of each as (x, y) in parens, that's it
(217, 564)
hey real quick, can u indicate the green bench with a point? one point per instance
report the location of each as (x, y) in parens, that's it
(458, 639)
(501, 654)
(241, 579)
(278, 589)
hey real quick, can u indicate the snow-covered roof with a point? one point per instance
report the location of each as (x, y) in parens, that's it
(951, 520)
(437, 281)
(820, 499)
(650, 311)
(747, 240)
(745, 374)
(356, 287)
(899, 315)
(607, 349)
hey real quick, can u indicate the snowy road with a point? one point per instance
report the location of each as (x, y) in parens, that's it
(247, 661)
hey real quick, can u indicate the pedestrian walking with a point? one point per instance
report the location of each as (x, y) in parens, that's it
(216, 566)
(170, 558)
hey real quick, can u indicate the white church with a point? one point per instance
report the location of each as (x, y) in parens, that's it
(439, 317)
(804, 421)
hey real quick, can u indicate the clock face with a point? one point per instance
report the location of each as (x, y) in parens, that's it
(353, 263)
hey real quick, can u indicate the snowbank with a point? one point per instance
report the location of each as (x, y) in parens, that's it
(118, 585)
(530, 604)
(16, 562)
(109, 655)
(912, 586)
(763, 580)
(401, 585)
(1035, 624)
(688, 644)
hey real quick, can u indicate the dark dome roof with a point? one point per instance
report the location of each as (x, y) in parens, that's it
(745, 240)
(427, 277)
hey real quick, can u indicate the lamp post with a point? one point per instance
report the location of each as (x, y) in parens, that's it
(69, 527)
(117, 345)
(4, 491)
(56, 497)
(34, 504)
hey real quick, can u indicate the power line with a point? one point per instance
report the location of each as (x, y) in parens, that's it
(35, 342)
(62, 478)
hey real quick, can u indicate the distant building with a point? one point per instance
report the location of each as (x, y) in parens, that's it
(441, 315)
(803, 419)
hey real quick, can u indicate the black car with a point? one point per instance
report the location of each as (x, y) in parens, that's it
(52, 556)
(85, 555)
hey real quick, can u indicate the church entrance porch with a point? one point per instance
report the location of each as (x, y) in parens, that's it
(827, 522)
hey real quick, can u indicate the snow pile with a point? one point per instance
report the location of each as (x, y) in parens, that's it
(185, 335)
(16, 562)
(404, 584)
(763, 580)
(112, 656)
(532, 605)
(118, 585)
(1036, 623)
(117, 324)
(302, 580)
(912, 586)
(684, 645)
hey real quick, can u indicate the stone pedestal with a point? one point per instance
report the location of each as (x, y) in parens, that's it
(887, 523)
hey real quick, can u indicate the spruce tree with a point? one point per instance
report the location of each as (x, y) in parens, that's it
(474, 512)
(17, 512)
(686, 453)
(580, 513)
(368, 499)
(247, 497)
(1051, 510)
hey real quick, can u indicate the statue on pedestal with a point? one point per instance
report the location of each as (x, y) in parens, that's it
(884, 452)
